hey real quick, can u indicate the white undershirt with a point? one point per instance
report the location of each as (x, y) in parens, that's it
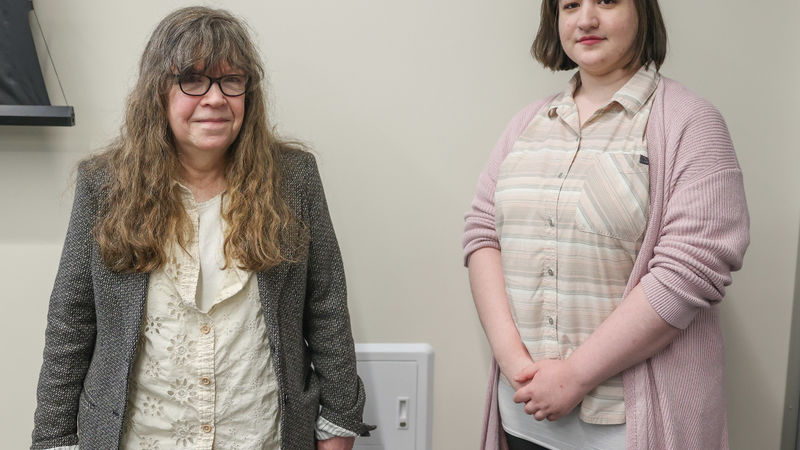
(567, 433)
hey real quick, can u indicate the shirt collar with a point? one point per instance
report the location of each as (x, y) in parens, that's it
(632, 96)
(637, 90)
(234, 278)
(187, 197)
(565, 103)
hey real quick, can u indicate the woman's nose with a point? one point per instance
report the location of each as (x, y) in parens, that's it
(214, 96)
(587, 18)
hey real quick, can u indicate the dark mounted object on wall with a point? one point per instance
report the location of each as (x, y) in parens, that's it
(23, 96)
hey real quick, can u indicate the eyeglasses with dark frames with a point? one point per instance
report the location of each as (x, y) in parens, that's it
(197, 84)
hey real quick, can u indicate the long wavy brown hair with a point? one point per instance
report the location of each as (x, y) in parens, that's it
(142, 213)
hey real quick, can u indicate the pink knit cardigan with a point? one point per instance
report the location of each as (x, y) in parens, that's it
(697, 233)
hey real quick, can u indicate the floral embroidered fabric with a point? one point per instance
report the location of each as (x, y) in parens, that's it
(203, 376)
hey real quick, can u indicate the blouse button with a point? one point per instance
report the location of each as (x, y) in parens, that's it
(561, 175)
(550, 272)
(206, 428)
(550, 320)
(205, 329)
(205, 380)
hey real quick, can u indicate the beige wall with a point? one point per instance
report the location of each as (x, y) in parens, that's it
(402, 102)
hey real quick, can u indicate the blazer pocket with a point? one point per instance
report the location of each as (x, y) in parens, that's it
(615, 197)
(89, 409)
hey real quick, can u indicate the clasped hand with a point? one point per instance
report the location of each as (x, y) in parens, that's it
(550, 388)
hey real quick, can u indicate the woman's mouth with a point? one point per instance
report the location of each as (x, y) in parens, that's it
(590, 40)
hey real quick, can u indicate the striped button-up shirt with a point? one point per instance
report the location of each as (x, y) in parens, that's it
(571, 207)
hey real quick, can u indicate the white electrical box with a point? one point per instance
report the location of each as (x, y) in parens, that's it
(398, 379)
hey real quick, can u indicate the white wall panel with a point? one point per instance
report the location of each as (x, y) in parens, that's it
(398, 379)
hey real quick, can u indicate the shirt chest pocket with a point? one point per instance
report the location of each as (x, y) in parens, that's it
(615, 197)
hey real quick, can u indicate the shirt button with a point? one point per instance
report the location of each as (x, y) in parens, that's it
(550, 320)
(205, 329)
(205, 380)
(551, 222)
(206, 428)
(561, 175)
(550, 272)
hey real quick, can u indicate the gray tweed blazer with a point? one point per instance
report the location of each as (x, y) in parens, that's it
(95, 319)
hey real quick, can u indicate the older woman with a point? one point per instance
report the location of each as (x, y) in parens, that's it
(200, 300)
(603, 233)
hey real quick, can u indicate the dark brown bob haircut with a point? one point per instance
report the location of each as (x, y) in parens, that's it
(649, 46)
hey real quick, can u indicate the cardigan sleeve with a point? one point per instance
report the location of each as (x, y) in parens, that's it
(479, 228)
(71, 328)
(705, 224)
(327, 320)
